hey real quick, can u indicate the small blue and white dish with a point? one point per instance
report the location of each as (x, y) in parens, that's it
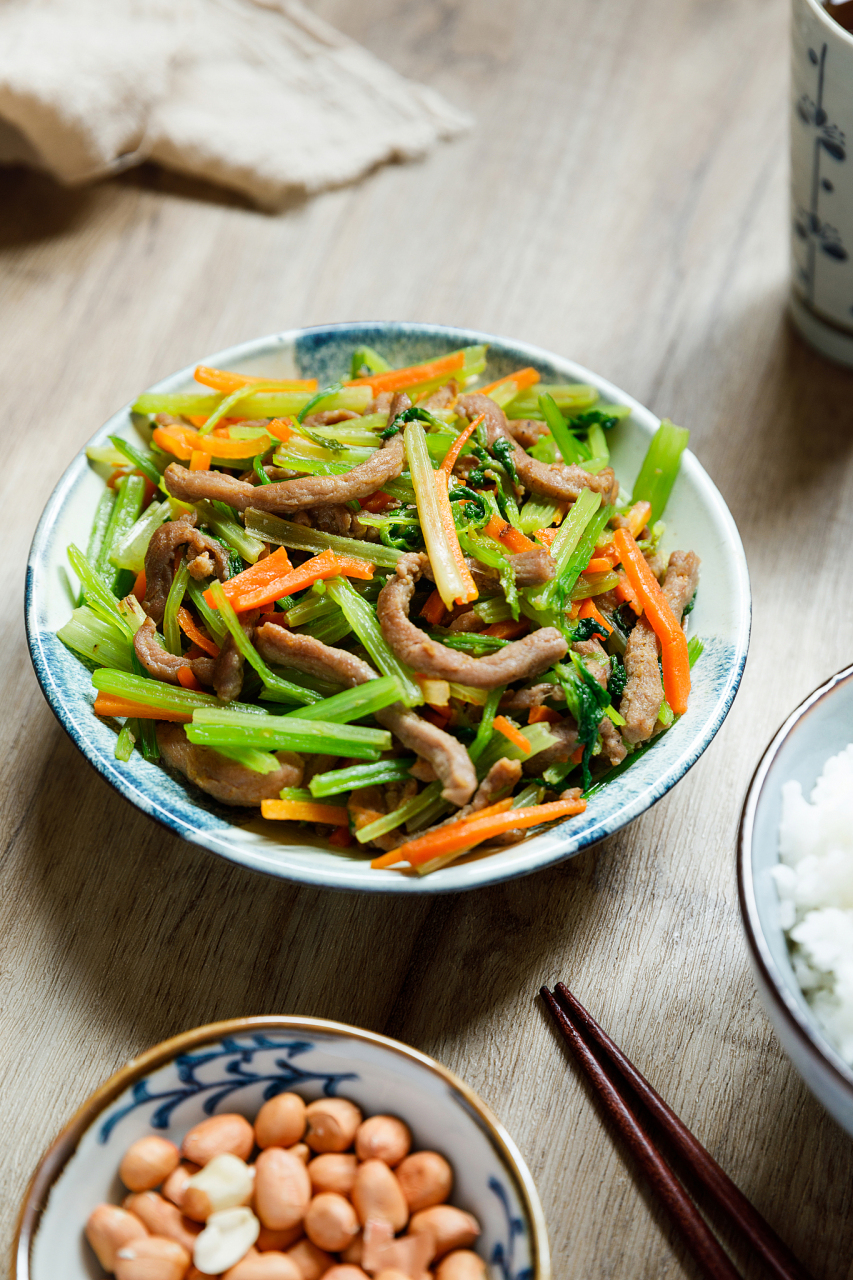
(821, 727)
(237, 1065)
(697, 519)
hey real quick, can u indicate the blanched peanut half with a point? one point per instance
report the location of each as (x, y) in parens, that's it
(332, 1124)
(263, 1266)
(426, 1179)
(176, 1183)
(345, 1272)
(331, 1222)
(461, 1264)
(225, 1182)
(108, 1228)
(333, 1172)
(383, 1138)
(152, 1258)
(302, 1151)
(162, 1218)
(282, 1188)
(278, 1240)
(376, 1194)
(310, 1262)
(147, 1163)
(281, 1121)
(214, 1137)
(450, 1227)
(227, 1237)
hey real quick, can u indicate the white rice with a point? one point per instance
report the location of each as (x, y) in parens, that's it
(814, 879)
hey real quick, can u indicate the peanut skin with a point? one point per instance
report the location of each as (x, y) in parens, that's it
(278, 1240)
(108, 1228)
(310, 1262)
(426, 1179)
(151, 1258)
(383, 1138)
(332, 1124)
(162, 1218)
(345, 1271)
(282, 1189)
(281, 1121)
(333, 1172)
(228, 1133)
(263, 1266)
(451, 1228)
(147, 1163)
(376, 1194)
(331, 1222)
(461, 1264)
(174, 1188)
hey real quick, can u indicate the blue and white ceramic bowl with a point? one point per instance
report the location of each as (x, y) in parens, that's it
(235, 1066)
(819, 728)
(697, 519)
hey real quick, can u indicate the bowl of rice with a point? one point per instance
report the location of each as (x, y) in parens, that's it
(795, 879)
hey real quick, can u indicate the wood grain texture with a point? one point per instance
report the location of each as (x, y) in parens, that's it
(622, 201)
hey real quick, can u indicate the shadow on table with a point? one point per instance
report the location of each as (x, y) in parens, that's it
(33, 207)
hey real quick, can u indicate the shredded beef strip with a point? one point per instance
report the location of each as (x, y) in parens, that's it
(447, 756)
(535, 696)
(517, 661)
(224, 779)
(643, 696)
(502, 777)
(160, 559)
(566, 733)
(611, 740)
(526, 431)
(466, 622)
(443, 397)
(228, 667)
(550, 480)
(161, 664)
(596, 660)
(532, 568)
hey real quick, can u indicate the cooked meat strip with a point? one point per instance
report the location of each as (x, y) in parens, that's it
(161, 664)
(443, 397)
(447, 756)
(328, 417)
(535, 696)
(160, 559)
(611, 740)
(643, 696)
(517, 834)
(566, 733)
(596, 662)
(526, 431)
(532, 568)
(467, 622)
(502, 777)
(228, 668)
(202, 668)
(517, 661)
(550, 480)
(380, 403)
(224, 779)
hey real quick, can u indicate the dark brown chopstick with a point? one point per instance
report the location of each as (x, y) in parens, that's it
(577, 1027)
(716, 1181)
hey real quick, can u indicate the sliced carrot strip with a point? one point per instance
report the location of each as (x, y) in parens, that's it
(378, 502)
(512, 539)
(272, 578)
(433, 610)
(412, 376)
(187, 678)
(547, 715)
(107, 705)
(598, 564)
(638, 517)
(523, 379)
(458, 444)
(224, 380)
(181, 441)
(187, 624)
(200, 461)
(508, 630)
(280, 429)
(675, 658)
(546, 536)
(577, 755)
(475, 830)
(305, 811)
(508, 729)
(625, 592)
(342, 837)
(588, 610)
(139, 586)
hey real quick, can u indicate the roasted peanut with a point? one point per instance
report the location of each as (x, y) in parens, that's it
(151, 1258)
(450, 1227)
(278, 1240)
(383, 1138)
(162, 1218)
(426, 1179)
(263, 1266)
(147, 1163)
(227, 1237)
(310, 1262)
(176, 1183)
(301, 1150)
(281, 1121)
(353, 1252)
(345, 1271)
(331, 1222)
(108, 1228)
(391, 1273)
(332, 1124)
(333, 1172)
(461, 1264)
(282, 1188)
(376, 1194)
(225, 1182)
(229, 1133)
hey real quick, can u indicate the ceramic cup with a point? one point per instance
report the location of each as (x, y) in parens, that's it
(822, 181)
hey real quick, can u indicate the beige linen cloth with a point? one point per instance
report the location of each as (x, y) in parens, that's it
(258, 95)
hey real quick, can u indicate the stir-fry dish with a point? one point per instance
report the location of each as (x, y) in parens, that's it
(415, 613)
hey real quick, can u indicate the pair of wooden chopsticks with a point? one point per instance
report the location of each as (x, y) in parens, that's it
(592, 1047)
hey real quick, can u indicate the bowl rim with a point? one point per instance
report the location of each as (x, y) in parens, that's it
(60, 1151)
(493, 871)
(835, 28)
(806, 1030)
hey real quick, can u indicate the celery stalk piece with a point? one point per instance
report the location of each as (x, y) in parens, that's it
(90, 635)
(566, 442)
(99, 525)
(538, 735)
(593, 584)
(215, 726)
(361, 616)
(527, 796)
(324, 688)
(311, 606)
(660, 467)
(366, 361)
(97, 594)
(402, 489)
(329, 629)
(252, 403)
(448, 579)
(353, 704)
(695, 649)
(571, 398)
(132, 612)
(537, 514)
(251, 758)
(230, 530)
(492, 609)
(298, 538)
(593, 465)
(467, 693)
(277, 689)
(484, 732)
(596, 440)
(143, 462)
(163, 697)
(128, 505)
(210, 617)
(174, 600)
(360, 775)
(407, 811)
(490, 553)
(580, 557)
(335, 465)
(106, 455)
(564, 546)
(125, 742)
(129, 552)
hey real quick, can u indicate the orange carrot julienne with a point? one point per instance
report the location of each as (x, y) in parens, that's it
(625, 592)
(194, 633)
(267, 572)
(139, 586)
(182, 442)
(280, 429)
(468, 832)
(433, 610)
(513, 539)
(675, 658)
(108, 705)
(378, 502)
(508, 629)
(577, 755)
(412, 376)
(199, 461)
(469, 590)
(588, 610)
(545, 535)
(508, 729)
(545, 715)
(598, 564)
(523, 379)
(305, 811)
(458, 444)
(188, 680)
(638, 517)
(342, 837)
(224, 380)
(272, 578)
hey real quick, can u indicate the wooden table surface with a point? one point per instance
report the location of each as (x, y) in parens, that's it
(622, 201)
